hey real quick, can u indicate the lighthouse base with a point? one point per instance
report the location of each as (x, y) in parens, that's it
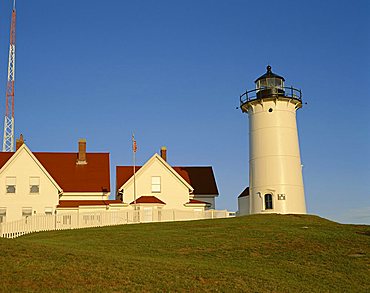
(283, 200)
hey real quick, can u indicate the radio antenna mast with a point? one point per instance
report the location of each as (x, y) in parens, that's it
(8, 142)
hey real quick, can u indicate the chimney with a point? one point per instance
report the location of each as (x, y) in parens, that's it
(19, 142)
(164, 153)
(81, 160)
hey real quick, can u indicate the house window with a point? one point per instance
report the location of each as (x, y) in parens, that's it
(49, 211)
(86, 219)
(156, 184)
(67, 219)
(26, 212)
(10, 184)
(2, 215)
(268, 201)
(34, 185)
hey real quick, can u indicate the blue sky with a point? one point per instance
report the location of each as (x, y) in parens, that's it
(172, 72)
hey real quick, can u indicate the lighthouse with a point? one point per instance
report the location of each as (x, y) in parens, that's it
(275, 170)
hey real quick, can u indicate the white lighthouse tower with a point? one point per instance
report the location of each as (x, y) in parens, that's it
(275, 170)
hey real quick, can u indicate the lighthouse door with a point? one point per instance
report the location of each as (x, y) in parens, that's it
(268, 201)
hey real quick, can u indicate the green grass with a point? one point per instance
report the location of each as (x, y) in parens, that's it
(261, 253)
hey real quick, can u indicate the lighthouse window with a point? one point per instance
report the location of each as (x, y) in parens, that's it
(270, 110)
(271, 82)
(261, 83)
(268, 201)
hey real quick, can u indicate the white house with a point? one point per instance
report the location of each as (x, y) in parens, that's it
(157, 185)
(34, 183)
(78, 184)
(42, 191)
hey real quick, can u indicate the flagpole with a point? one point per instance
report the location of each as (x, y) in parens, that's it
(134, 163)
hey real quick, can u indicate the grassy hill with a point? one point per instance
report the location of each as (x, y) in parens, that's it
(261, 253)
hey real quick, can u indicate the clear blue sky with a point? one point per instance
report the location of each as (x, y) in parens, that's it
(172, 72)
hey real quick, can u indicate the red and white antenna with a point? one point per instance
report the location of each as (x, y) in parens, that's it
(8, 142)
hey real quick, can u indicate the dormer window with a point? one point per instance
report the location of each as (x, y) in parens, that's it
(10, 184)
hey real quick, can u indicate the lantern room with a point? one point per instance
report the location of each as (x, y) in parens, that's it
(269, 79)
(269, 84)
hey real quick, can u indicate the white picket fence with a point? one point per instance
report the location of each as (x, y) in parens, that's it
(37, 223)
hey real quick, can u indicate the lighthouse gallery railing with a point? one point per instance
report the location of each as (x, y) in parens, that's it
(289, 92)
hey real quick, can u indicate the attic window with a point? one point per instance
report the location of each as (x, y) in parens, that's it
(34, 185)
(156, 184)
(10, 184)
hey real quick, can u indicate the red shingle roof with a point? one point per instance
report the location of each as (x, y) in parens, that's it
(92, 177)
(123, 174)
(4, 157)
(201, 179)
(77, 203)
(148, 199)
